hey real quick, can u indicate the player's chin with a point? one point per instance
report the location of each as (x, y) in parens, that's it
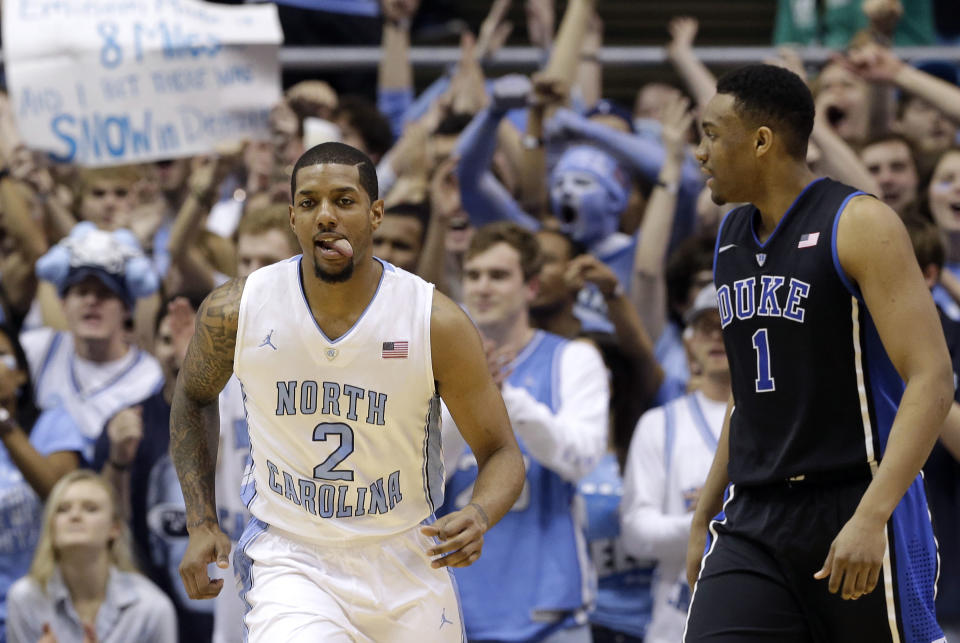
(333, 273)
(717, 197)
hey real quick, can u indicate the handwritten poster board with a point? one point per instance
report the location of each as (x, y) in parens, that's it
(107, 82)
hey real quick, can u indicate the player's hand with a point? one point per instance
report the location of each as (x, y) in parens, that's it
(695, 547)
(855, 558)
(208, 544)
(460, 535)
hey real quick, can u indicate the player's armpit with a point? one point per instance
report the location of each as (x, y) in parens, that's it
(467, 388)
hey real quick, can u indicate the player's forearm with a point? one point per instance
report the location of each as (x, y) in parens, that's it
(917, 426)
(500, 478)
(194, 440)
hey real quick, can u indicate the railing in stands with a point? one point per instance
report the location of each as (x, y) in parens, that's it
(340, 58)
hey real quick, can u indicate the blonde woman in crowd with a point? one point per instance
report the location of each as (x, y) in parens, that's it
(82, 585)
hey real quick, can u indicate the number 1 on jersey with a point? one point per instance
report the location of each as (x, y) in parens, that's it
(764, 382)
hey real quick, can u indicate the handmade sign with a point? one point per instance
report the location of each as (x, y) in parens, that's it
(107, 82)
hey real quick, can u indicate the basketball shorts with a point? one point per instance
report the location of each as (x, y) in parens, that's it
(382, 591)
(756, 579)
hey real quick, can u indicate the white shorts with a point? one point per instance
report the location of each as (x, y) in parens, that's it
(379, 592)
(228, 609)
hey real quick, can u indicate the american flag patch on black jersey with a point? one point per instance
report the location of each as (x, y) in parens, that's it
(394, 350)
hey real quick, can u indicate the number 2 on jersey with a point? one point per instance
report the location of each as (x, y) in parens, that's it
(326, 470)
(764, 381)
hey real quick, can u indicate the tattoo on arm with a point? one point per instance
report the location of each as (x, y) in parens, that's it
(194, 431)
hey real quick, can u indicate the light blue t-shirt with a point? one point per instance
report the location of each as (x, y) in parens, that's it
(20, 507)
(539, 540)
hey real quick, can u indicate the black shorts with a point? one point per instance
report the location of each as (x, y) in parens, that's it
(756, 581)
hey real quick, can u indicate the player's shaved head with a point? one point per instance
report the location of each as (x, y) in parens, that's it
(339, 154)
(767, 95)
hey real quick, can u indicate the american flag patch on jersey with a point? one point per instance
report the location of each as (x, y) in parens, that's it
(394, 350)
(809, 240)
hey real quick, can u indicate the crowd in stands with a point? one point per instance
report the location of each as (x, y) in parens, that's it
(576, 232)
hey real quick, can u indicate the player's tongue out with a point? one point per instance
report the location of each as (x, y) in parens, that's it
(343, 247)
(340, 246)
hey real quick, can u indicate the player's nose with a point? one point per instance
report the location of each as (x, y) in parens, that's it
(326, 215)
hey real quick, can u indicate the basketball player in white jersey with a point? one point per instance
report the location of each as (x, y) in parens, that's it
(343, 545)
(263, 237)
(670, 455)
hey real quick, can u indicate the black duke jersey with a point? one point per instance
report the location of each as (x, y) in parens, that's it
(815, 392)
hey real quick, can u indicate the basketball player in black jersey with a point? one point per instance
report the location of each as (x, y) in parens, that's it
(841, 382)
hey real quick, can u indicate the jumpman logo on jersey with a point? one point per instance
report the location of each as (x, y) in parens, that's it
(443, 619)
(267, 341)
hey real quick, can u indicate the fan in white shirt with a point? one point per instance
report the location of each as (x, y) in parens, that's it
(670, 454)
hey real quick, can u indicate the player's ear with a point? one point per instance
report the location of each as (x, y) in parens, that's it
(763, 140)
(376, 213)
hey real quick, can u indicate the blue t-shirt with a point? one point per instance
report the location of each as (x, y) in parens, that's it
(21, 511)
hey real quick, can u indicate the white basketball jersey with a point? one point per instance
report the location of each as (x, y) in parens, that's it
(344, 433)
